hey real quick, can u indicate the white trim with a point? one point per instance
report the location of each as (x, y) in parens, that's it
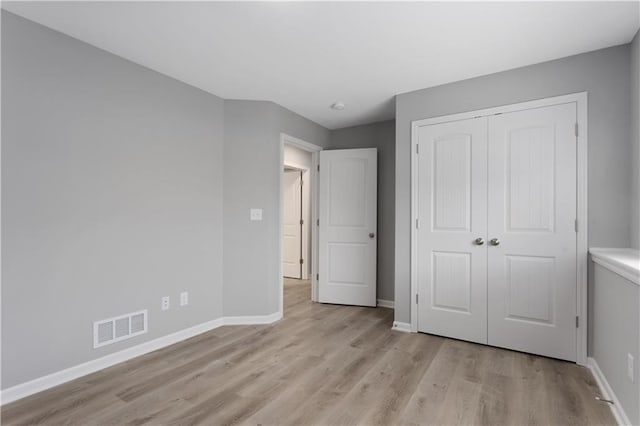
(608, 393)
(54, 379)
(581, 101)
(582, 236)
(405, 327)
(314, 150)
(252, 320)
(386, 303)
(624, 262)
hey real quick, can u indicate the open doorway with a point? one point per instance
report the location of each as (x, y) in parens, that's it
(298, 214)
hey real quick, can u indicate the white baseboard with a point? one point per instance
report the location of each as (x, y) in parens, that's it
(386, 303)
(242, 320)
(54, 379)
(401, 326)
(608, 393)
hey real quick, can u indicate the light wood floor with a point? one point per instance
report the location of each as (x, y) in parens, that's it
(324, 365)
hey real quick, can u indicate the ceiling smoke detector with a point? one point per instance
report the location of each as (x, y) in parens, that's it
(337, 105)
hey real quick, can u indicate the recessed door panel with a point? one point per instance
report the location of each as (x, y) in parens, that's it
(347, 179)
(530, 282)
(451, 281)
(451, 168)
(530, 178)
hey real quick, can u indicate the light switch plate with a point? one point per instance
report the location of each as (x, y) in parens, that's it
(256, 214)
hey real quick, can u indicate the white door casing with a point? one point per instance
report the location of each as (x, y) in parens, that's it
(291, 227)
(452, 279)
(348, 227)
(532, 213)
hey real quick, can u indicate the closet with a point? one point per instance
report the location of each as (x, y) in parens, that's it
(495, 239)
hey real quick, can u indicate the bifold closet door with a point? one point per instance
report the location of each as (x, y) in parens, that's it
(531, 231)
(452, 211)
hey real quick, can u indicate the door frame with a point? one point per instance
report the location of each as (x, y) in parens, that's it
(286, 139)
(581, 101)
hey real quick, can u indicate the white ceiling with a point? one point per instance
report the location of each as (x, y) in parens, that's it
(306, 56)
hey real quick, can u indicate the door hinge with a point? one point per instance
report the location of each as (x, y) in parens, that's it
(301, 261)
(317, 222)
(576, 129)
(301, 221)
(577, 322)
(416, 298)
(417, 149)
(317, 277)
(417, 223)
(318, 167)
(575, 225)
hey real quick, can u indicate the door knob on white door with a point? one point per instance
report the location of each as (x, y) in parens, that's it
(371, 235)
(494, 241)
(479, 241)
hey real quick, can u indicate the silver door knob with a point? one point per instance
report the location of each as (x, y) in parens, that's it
(479, 241)
(494, 242)
(371, 235)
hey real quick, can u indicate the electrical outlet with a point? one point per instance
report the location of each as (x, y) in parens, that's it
(630, 367)
(184, 298)
(255, 214)
(165, 303)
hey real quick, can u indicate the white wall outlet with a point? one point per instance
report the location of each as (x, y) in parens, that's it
(165, 303)
(630, 367)
(255, 214)
(184, 298)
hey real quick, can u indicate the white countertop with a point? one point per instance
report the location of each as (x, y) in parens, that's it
(622, 261)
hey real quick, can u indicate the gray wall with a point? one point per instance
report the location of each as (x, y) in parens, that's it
(615, 334)
(382, 136)
(111, 198)
(635, 141)
(605, 74)
(252, 180)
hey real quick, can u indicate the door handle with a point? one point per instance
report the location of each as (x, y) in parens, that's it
(494, 242)
(371, 235)
(479, 241)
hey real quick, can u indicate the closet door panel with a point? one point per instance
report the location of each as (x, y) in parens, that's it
(452, 207)
(531, 216)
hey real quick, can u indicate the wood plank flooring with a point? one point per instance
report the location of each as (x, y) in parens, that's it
(323, 365)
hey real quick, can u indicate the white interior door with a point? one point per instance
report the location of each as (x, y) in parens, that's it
(532, 213)
(291, 226)
(348, 226)
(452, 211)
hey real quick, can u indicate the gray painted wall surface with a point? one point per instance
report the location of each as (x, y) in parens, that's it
(615, 334)
(252, 180)
(382, 136)
(111, 199)
(635, 141)
(605, 74)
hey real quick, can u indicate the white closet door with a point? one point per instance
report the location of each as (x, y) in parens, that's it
(531, 211)
(452, 211)
(291, 227)
(348, 221)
